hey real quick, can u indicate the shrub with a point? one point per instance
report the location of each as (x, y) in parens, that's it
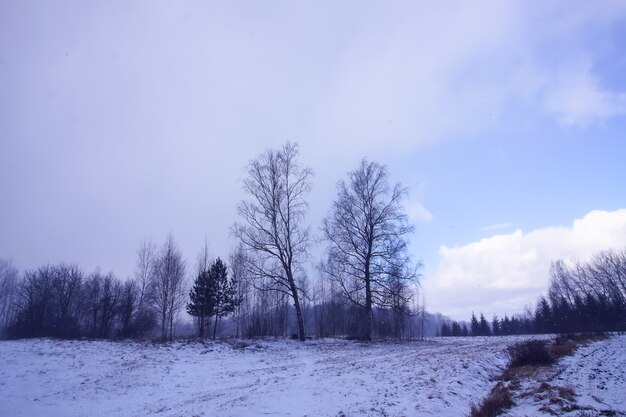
(497, 401)
(563, 349)
(531, 352)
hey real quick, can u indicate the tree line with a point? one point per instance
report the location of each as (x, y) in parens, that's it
(366, 286)
(582, 297)
(62, 301)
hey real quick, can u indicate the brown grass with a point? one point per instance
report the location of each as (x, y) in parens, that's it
(565, 349)
(498, 400)
(531, 352)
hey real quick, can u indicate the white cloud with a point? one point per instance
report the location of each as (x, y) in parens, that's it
(578, 100)
(418, 213)
(499, 226)
(504, 273)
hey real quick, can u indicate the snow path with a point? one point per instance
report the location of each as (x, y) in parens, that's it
(592, 382)
(597, 373)
(279, 378)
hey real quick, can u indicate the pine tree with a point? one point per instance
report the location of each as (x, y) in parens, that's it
(516, 325)
(495, 325)
(456, 329)
(543, 317)
(475, 327)
(506, 326)
(201, 304)
(484, 326)
(224, 292)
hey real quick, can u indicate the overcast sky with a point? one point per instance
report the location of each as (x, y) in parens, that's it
(121, 121)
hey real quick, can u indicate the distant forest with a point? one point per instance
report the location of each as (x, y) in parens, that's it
(584, 297)
(62, 301)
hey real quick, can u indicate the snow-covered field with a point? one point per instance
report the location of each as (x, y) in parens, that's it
(277, 378)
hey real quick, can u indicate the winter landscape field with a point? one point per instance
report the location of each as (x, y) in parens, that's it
(441, 377)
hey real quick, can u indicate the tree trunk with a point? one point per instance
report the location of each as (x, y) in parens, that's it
(296, 304)
(163, 324)
(367, 331)
(215, 326)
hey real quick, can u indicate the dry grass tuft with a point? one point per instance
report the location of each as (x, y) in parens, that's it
(565, 349)
(531, 352)
(496, 402)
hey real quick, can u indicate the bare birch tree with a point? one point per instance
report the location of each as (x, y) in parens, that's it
(8, 293)
(146, 257)
(143, 314)
(237, 260)
(169, 286)
(367, 233)
(271, 229)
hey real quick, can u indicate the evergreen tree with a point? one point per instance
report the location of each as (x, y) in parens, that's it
(484, 326)
(224, 295)
(464, 331)
(495, 325)
(456, 329)
(506, 326)
(516, 325)
(543, 317)
(475, 326)
(445, 330)
(201, 300)
(526, 326)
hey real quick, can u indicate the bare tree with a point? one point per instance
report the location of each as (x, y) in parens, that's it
(271, 228)
(169, 286)
(66, 287)
(8, 293)
(128, 306)
(146, 257)
(367, 232)
(101, 301)
(244, 291)
(203, 261)
(34, 301)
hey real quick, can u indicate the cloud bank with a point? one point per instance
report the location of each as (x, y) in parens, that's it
(502, 273)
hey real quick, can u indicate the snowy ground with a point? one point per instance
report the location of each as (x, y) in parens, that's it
(592, 382)
(277, 378)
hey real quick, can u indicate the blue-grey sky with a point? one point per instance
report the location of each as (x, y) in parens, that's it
(121, 121)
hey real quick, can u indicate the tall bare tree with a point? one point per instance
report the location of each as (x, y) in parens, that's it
(367, 233)
(169, 286)
(146, 257)
(237, 260)
(271, 229)
(101, 297)
(8, 293)
(139, 295)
